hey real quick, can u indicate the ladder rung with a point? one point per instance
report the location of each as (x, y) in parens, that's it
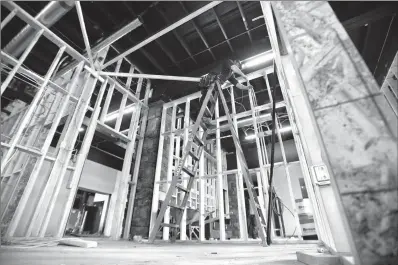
(181, 188)
(189, 172)
(177, 206)
(198, 140)
(193, 155)
(170, 225)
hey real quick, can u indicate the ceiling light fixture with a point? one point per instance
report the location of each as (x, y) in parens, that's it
(258, 59)
(282, 130)
(115, 114)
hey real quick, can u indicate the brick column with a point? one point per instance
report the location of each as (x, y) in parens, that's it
(233, 206)
(145, 182)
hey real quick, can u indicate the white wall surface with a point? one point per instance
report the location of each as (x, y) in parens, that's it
(280, 184)
(98, 178)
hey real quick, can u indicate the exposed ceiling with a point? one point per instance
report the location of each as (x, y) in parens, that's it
(196, 47)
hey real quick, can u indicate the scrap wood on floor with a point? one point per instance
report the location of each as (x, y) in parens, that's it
(48, 242)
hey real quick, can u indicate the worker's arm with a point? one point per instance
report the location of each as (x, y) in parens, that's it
(236, 70)
(236, 83)
(243, 87)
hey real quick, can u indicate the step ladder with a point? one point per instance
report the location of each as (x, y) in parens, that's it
(211, 96)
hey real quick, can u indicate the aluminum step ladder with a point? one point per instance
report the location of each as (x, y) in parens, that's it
(211, 96)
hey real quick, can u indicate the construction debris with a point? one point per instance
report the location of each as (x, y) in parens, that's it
(77, 242)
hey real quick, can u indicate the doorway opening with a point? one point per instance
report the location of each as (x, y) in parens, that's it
(88, 214)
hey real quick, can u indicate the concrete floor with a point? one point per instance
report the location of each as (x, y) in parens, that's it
(125, 253)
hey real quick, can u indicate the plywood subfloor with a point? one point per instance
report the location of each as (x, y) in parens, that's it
(126, 253)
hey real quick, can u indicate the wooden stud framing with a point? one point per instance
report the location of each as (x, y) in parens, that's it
(124, 101)
(202, 191)
(219, 185)
(166, 230)
(38, 224)
(260, 150)
(109, 95)
(31, 109)
(206, 201)
(84, 32)
(156, 188)
(21, 60)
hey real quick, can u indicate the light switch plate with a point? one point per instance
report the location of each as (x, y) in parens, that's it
(321, 173)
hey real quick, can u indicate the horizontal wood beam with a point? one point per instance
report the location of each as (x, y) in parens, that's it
(160, 77)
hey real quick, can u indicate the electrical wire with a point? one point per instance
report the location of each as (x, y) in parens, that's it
(384, 43)
(16, 76)
(281, 213)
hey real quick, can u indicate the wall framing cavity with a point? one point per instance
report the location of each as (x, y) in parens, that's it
(39, 181)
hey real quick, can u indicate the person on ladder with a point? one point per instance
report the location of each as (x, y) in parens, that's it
(225, 72)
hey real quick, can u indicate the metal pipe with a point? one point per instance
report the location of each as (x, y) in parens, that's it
(161, 77)
(164, 31)
(50, 14)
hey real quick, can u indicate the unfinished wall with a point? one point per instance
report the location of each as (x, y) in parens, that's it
(358, 133)
(280, 184)
(95, 177)
(143, 198)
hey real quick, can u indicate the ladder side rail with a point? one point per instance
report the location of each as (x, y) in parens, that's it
(177, 172)
(253, 104)
(196, 163)
(245, 169)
